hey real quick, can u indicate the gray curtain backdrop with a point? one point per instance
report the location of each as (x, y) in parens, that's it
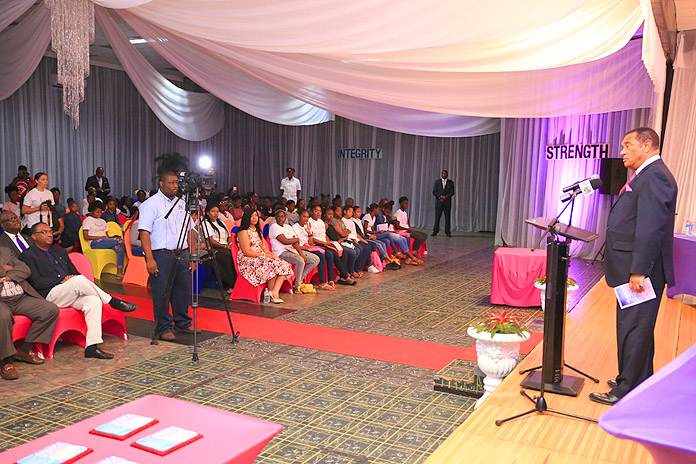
(530, 184)
(119, 132)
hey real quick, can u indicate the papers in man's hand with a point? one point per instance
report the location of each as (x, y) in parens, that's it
(627, 297)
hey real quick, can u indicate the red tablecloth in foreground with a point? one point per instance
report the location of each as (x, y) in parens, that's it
(514, 271)
(227, 437)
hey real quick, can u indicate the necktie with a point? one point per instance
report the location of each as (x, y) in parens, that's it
(20, 244)
(444, 182)
(626, 186)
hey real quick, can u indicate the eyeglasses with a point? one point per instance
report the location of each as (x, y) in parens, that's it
(44, 232)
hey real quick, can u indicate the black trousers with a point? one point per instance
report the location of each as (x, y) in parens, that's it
(442, 207)
(635, 327)
(227, 272)
(419, 239)
(180, 296)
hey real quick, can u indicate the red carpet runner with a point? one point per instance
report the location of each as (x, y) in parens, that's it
(348, 342)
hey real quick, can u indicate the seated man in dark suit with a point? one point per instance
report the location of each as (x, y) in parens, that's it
(11, 238)
(17, 297)
(55, 278)
(100, 184)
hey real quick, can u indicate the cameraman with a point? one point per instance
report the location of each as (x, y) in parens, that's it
(160, 239)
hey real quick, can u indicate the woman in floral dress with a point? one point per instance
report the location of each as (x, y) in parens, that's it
(255, 261)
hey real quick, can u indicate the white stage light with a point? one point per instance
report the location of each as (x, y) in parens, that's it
(205, 162)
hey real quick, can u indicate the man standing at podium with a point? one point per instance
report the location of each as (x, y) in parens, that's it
(639, 244)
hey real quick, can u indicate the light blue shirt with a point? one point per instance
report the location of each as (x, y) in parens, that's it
(164, 233)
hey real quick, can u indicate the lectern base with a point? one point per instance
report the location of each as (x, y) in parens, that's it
(570, 385)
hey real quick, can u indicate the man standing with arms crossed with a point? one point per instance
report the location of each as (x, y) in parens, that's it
(160, 240)
(639, 244)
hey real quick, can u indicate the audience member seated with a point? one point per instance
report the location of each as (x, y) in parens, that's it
(256, 263)
(110, 214)
(303, 231)
(23, 181)
(301, 205)
(56, 279)
(286, 245)
(237, 209)
(337, 201)
(389, 262)
(17, 297)
(214, 229)
(11, 237)
(334, 225)
(332, 254)
(13, 200)
(267, 210)
(384, 227)
(291, 215)
(47, 217)
(402, 224)
(325, 201)
(225, 214)
(72, 221)
(136, 244)
(349, 202)
(363, 245)
(34, 198)
(91, 198)
(141, 195)
(60, 208)
(126, 207)
(96, 231)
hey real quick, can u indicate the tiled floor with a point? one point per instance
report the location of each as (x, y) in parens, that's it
(335, 408)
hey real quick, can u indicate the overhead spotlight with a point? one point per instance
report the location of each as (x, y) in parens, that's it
(205, 162)
(137, 40)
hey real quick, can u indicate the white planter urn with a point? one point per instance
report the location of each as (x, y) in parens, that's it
(497, 357)
(542, 287)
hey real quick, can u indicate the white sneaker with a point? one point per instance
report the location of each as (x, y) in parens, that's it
(372, 270)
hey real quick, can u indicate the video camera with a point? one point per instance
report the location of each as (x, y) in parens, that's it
(190, 182)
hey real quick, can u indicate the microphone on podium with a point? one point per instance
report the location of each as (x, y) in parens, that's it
(586, 186)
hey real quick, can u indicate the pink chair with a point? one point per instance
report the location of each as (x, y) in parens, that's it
(20, 327)
(243, 290)
(113, 320)
(71, 326)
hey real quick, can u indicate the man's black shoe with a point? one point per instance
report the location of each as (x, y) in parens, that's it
(392, 267)
(94, 351)
(434, 234)
(121, 305)
(612, 384)
(604, 398)
(449, 235)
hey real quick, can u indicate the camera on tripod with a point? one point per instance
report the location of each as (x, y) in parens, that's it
(190, 182)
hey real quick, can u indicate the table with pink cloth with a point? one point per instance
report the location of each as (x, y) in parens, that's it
(227, 437)
(514, 271)
(659, 413)
(684, 266)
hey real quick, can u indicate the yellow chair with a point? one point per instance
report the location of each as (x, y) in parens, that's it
(103, 261)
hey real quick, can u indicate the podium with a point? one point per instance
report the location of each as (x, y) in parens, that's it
(557, 261)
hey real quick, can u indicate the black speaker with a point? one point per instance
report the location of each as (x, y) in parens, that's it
(613, 174)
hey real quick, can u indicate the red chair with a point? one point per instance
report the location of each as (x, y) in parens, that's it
(122, 218)
(243, 290)
(113, 320)
(20, 329)
(136, 271)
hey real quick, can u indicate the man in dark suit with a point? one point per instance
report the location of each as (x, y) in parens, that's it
(100, 184)
(17, 297)
(54, 276)
(443, 191)
(639, 245)
(11, 237)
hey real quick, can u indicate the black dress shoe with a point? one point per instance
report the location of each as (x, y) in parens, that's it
(449, 235)
(604, 398)
(121, 305)
(434, 234)
(96, 352)
(612, 384)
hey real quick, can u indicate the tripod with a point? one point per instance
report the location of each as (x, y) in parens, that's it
(194, 258)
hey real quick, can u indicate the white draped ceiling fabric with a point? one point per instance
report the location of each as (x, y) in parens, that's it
(679, 148)
(425, 67)
(190, 115)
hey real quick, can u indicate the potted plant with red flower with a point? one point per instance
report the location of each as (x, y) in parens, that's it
(498, 337)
